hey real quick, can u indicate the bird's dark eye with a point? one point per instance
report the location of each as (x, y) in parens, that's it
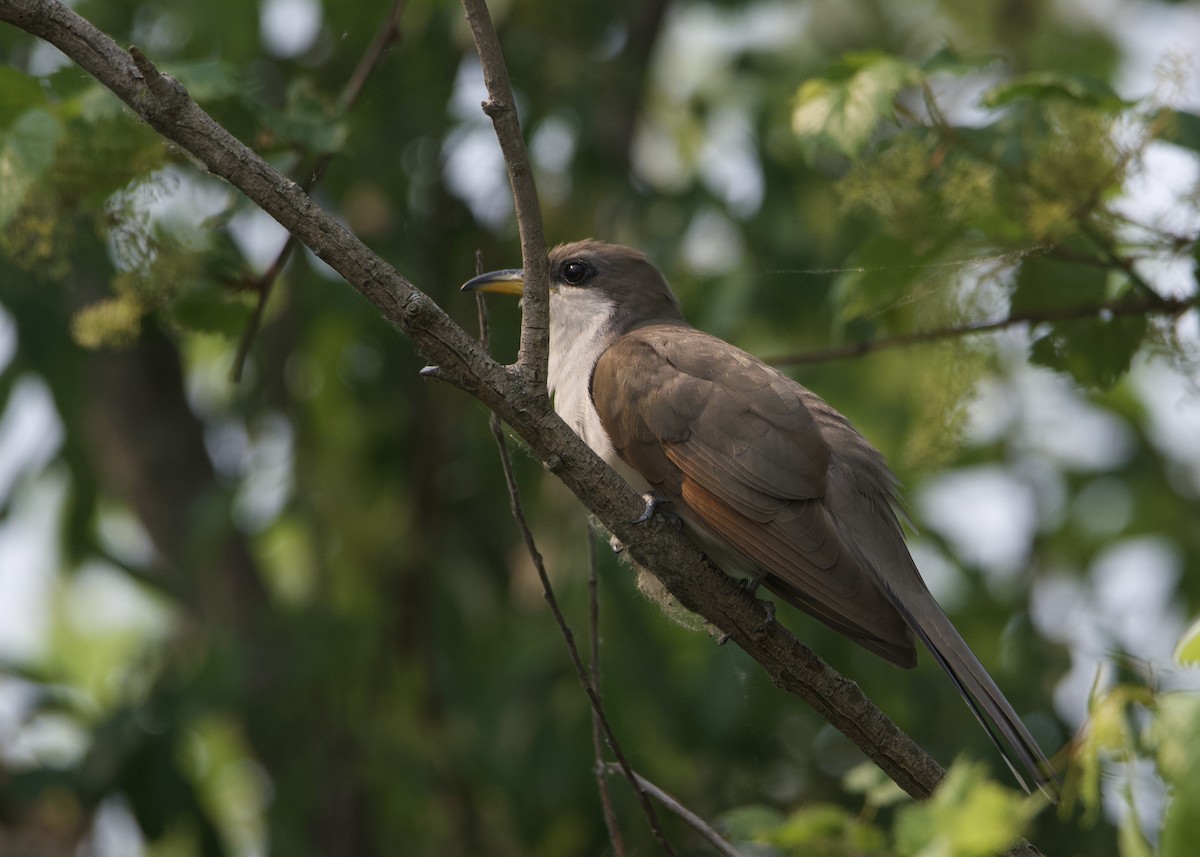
(576, 271)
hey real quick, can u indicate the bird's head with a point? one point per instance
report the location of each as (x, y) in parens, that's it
(594, 278)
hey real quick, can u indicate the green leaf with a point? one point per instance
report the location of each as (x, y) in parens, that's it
(1096, 353)
(18, 93)
(1045, 284)
(26, 153)
(880, 271)
(1046, 85)
(948, 60)
(1187, 650)
(206, 80)
(968, 816)
(1176, 730)
(1180, 127)
(307, 122)
(207, 311)
(840, 111)
(749, 823)
(869, 780)
(828, 829)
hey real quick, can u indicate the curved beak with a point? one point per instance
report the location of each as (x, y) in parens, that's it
(507, 282)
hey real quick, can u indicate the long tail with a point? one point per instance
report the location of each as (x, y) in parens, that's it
(1020, 751)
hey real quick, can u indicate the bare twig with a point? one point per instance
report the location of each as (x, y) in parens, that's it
(502, 108)
(569, 637)
(610, 816)
(386, 36)
(591, 683)
(1157, 306)
(694, 821)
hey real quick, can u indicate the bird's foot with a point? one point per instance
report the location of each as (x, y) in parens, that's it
(751, 584)
(656, 503)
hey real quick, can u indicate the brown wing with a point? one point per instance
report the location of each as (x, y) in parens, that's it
(734, 444)
(752, 458)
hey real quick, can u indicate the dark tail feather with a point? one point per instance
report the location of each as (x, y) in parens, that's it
(1018, 748)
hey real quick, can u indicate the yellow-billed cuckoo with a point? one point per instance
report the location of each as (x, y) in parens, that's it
(772, 482)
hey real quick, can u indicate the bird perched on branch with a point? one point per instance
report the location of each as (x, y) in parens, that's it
(771, 481)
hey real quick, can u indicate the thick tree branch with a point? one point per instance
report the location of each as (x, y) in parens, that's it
(656, 545)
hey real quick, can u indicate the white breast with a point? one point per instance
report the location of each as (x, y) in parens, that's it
(580, 331)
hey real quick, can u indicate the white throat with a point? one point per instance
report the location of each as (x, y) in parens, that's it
(580, 331)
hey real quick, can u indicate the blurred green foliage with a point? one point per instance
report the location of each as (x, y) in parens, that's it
(327, 639)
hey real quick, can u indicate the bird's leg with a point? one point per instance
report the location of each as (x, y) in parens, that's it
(658, 503)
(655, 502)
(751, 584)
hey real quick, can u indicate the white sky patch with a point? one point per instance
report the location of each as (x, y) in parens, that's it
(123, 536)
(474, 172)
(729, 164)
(289, 27)
(101, 599)
(1149, 35)
(1048, 418)
(712, 244)
(30, 432)
(45, 59)
(259, 236)
(51, 738)
(28, 568)
(944, 579)
(472, 163)
(182, 201)
(553, 144)
(700, 39)
(8, 339)
(115, 832)
(1172, 403)
(1135, 582)
(268, 481)
(1125, 603)
(986, 513)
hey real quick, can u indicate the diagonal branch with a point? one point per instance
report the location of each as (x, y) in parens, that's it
(657, 545)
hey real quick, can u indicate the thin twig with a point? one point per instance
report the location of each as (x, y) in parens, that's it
(610, 816)
(591, 685)
(1112, 309)
(569, 636)
(694, 821)
(386, 36)
(501, 107)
